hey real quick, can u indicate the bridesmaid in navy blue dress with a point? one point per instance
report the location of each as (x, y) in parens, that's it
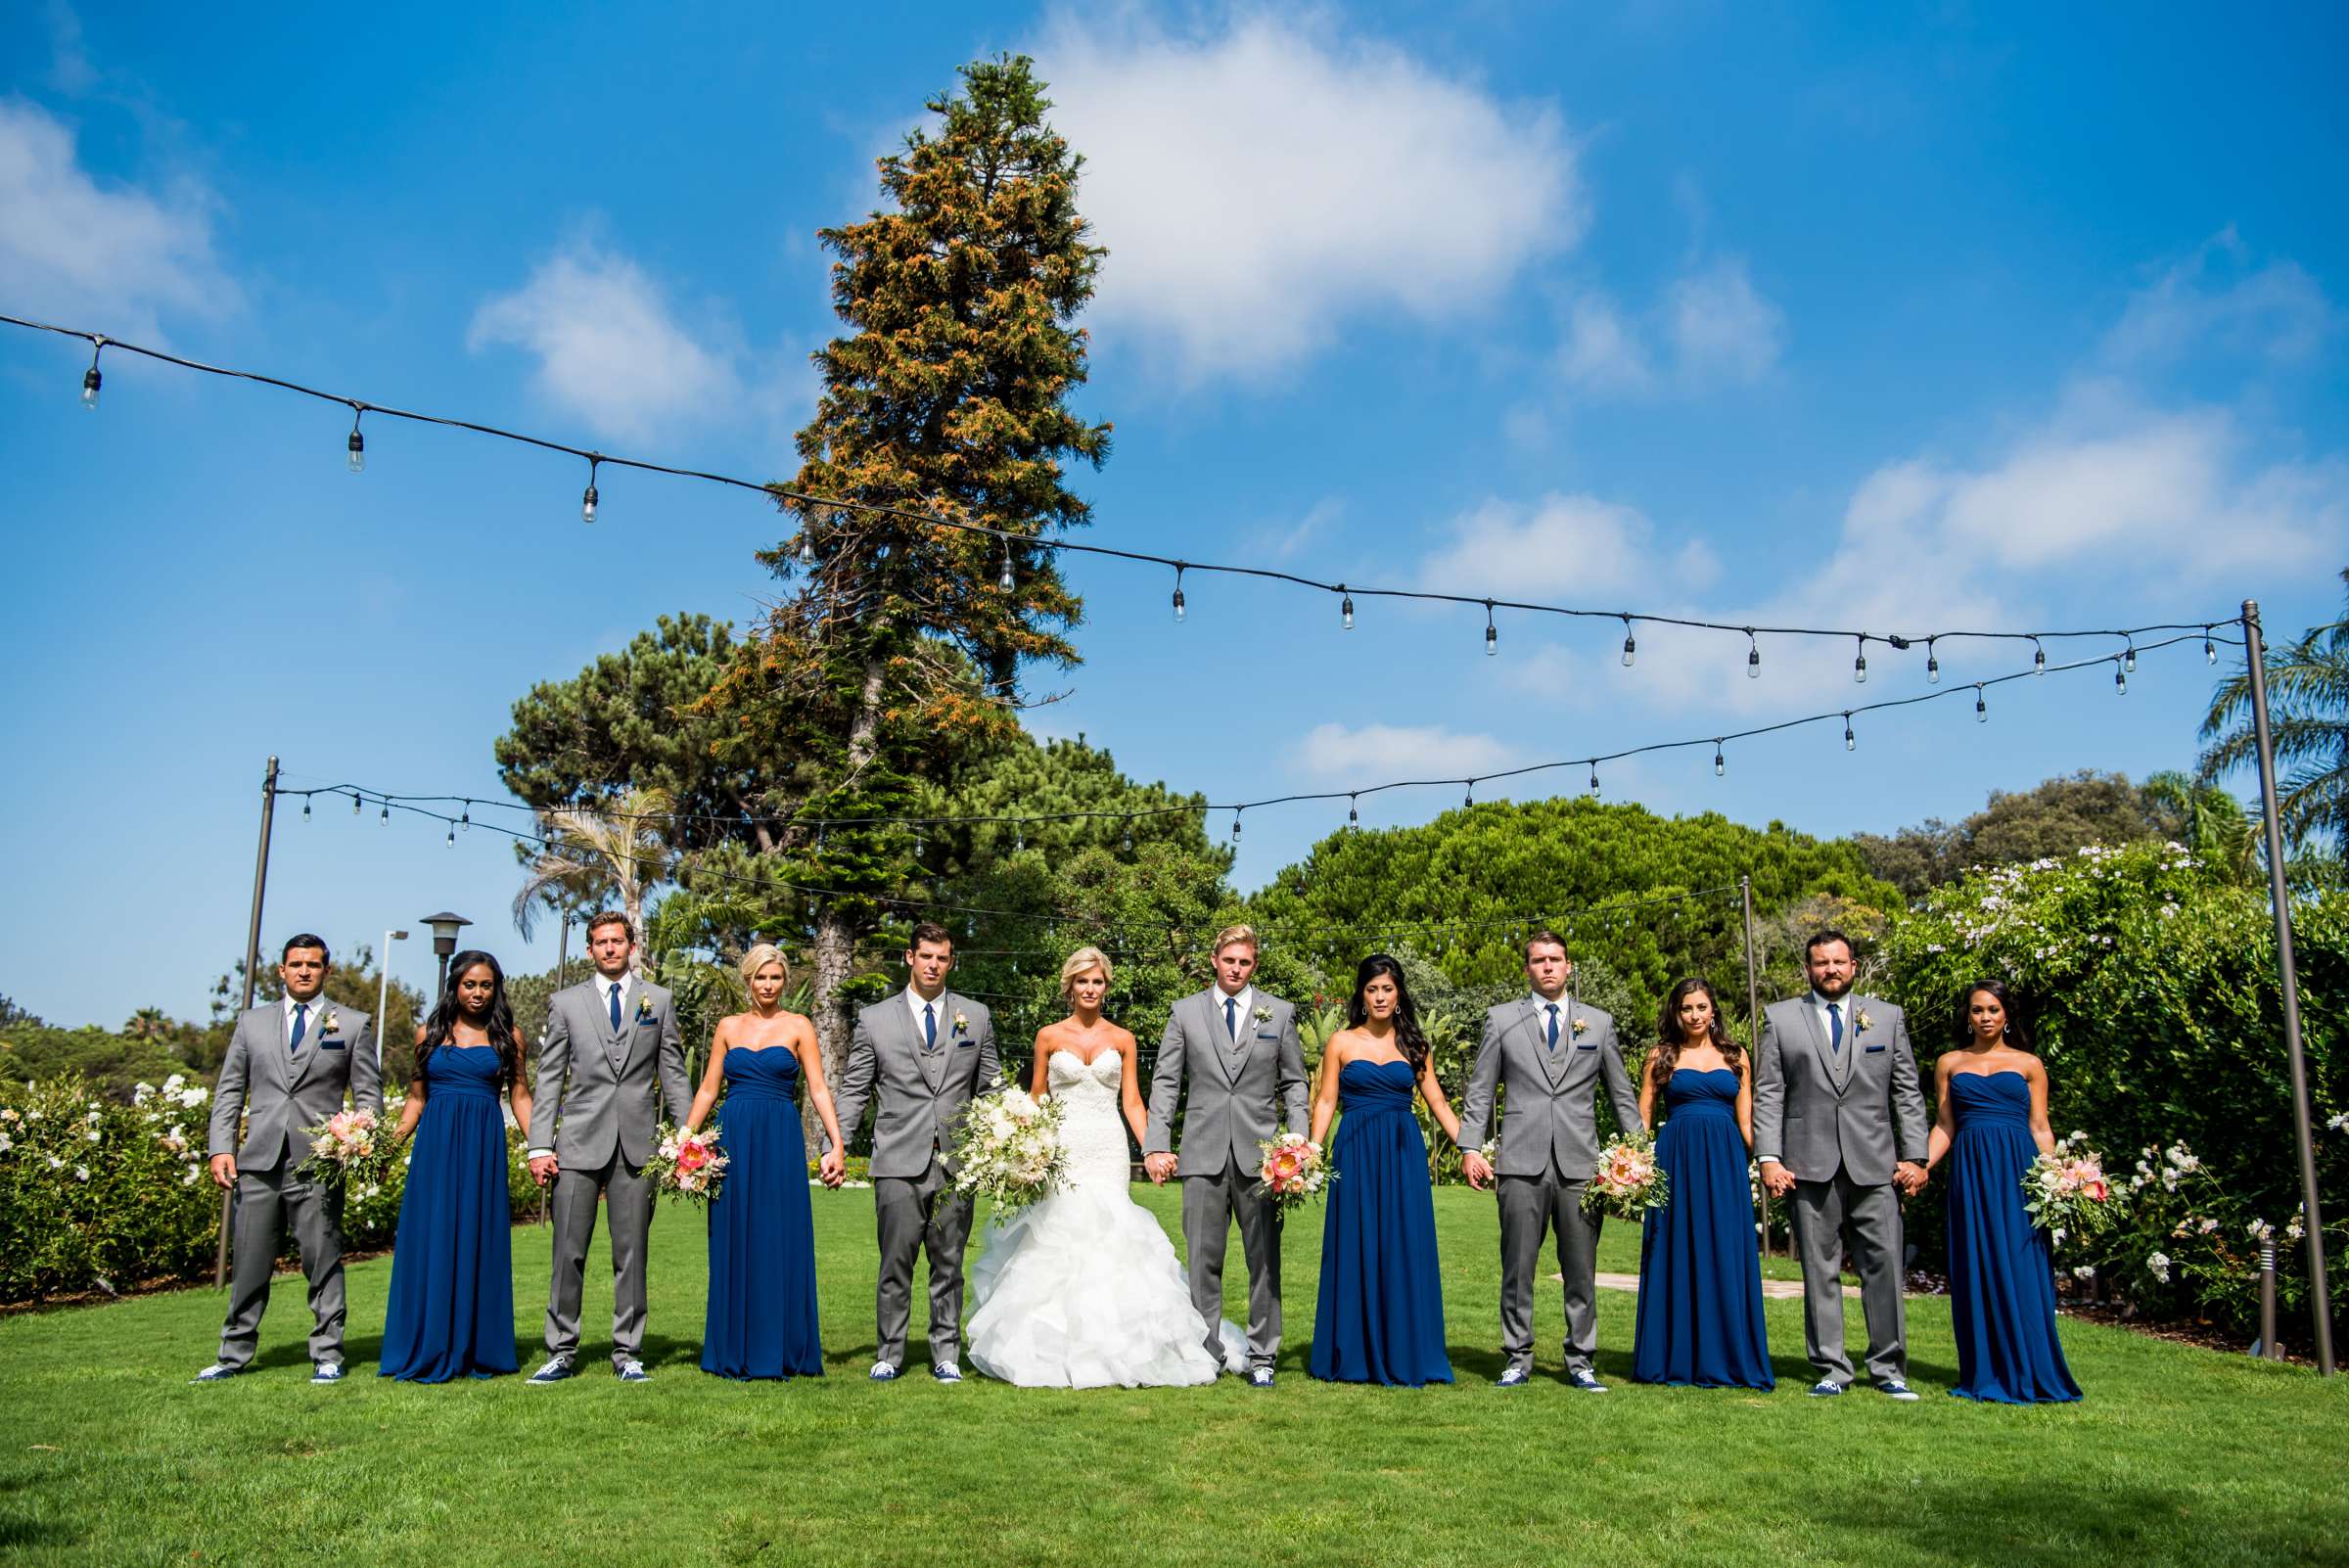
(1380, 1318)
(1700, 1267)
(1991, 1125)
(761, 1315)
(451, 1312)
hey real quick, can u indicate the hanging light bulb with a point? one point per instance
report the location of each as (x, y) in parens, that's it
(1932, 664)
(2129, 658)
(1594, 781)
(1235, 824)
(1345, 608)
(587, 501)
(1631, 647)
(806, 550)
(1354, 816)
(305, 808)
(1007, 581)
(1130, 840)
(1981, 708)
(354, 803)
(387, 814)
(2039, 658)
(2120, 678)
(1469, 803)
(1178, 594)
(1850, 742)
(2210, 649)
(465, 817)
(1859, 665)
(357, 442)
(1492, 633)
(91, 381)
(452, 834)
(1753, 657)
(1721, 763)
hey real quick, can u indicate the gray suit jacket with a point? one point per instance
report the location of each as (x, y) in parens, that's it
(280, 1093)
(1553, 1095)
(919, 1095)
(1240, 1093)
(598, 1090)
(1818, 1111)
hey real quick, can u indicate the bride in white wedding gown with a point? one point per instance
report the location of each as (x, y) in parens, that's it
(1081, 1289)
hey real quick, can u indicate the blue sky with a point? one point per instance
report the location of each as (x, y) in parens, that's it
(1992, 316)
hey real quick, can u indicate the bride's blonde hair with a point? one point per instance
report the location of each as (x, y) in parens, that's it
(1077, 964)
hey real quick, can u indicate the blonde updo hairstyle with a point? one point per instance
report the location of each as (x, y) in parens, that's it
(760, 954)
(1077, 964)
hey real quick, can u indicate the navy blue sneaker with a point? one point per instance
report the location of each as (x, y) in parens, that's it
(946, 1372)
(631, 1370)
(1260, 1377)
(1892, 1388)
(882, 1372)
(556, 1369)
(1584, 1381)
(1827, 1388)
(217, 1373)
(327, 1372)
(1514, 1377)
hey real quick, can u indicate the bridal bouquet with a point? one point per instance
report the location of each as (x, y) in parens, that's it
(1293, 1169)
(348, 1146)
(1628, 1181)
(689, 1164)
(1009, 1150)
(2066, 1193)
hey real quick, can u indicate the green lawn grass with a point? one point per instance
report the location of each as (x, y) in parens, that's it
(106, 1456)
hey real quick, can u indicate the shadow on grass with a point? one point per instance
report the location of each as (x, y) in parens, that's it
(2047, 1521)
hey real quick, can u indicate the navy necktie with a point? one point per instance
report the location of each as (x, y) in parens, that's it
(928, 1027)
(1835, 1027)
(616, 1006)
(1231, 1018)
(301, 1024)
(1553, 1026)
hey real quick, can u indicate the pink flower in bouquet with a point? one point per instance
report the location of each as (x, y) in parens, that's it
(692, 1155)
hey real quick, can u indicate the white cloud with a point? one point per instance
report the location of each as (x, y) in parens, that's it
(1284, 540)
(1260, 186)
(1712, 328)
(1340, 755)
(2216, 298)
(1574, 545)
(108, 256)
(609, 348)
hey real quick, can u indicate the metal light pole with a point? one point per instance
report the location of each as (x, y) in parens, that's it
(382, 997)
(1753, 1019)
(2255, 654)
(445, 927)
(252, 964)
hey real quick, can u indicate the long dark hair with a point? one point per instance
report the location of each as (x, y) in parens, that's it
(441, 1028)
(2019, 1032)
(1669, 1037)
(1407, 1033)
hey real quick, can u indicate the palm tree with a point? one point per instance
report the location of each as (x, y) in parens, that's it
(2208, 820)
(600, 858)
(2308, 713)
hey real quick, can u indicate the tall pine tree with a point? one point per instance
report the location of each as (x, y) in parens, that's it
(899, 647)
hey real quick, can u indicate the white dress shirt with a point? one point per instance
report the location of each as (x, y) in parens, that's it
(1243, 1020)
(914, 1004)
(310, 1029)
(1565, 1007)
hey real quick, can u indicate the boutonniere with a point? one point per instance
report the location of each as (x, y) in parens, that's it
(331, 1023)
(1861, 1022)
(962, 1024)
(644, 1009)
(1581, 1027)
(1263, 1015)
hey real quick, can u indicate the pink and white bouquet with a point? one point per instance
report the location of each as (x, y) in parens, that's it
(688, 1163)
(1009, 1150)
(1628, 1181)
(2066, 1192)
(1294, 1170)
(348, 1146)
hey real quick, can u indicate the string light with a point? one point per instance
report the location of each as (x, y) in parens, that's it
(386, 813)
(1753, 656)
(587, 501)
(2210, 649)
(91, 380)
(1007, 581)
(1981, 708)
(1354, 816)
(1631, 648)
(452, 838)
(1594, 781)
(1859, 665)
(1469, 805)
(2129, 657)
(1721, 762)
(1492, 633)
(1850, 742)
(1345, 608)
(358, 443)
(2039, 658)
(354, 804)
(305, 808)
(2120, 677)
(1235, 827)
(1932, 663)
(1178, 593)
(806, 550)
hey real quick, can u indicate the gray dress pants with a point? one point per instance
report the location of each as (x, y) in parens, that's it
(916, 1214)
(1828, 1218)
(629, 1196)
(268, 1201)
(1210, 1204)
(1530, 1207)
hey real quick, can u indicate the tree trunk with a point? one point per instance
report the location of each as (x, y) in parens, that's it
(835, 926)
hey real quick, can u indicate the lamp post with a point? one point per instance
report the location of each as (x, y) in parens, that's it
(383, 996)
(445, 927)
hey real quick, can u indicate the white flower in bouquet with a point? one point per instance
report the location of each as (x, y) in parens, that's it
(1628, 1181)
(1009, 1149)
(1293, 1169)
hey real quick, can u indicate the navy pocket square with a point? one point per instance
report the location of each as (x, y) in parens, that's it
(1268, 1034)
(966, 1043)
(1869, 1050)
(1594, 1045)
(334, 1044)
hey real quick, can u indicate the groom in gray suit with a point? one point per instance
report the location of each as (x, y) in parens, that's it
(925, 1051)
(287, 1065)
(1839, 1123)
(1550, 1052)
(611, 1060)
(1240, 1048)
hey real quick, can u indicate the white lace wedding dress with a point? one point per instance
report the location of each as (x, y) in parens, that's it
(1081, 1289)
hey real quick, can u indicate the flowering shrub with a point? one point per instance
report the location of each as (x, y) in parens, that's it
(2151, 988)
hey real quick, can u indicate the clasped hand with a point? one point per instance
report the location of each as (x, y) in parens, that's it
(1158, 1167)
(1476, 1168)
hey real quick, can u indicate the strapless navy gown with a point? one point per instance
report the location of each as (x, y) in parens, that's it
(761, 1315)
(1700, 1266)
(2001, 1274)
(451, 1312)
(1380, 1317)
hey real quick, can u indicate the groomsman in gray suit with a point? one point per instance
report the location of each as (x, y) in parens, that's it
(919, 1056)
(1551, 1054)
(611, 1059)
(288, 1065)
(1839, 1123)
(1238, 1048)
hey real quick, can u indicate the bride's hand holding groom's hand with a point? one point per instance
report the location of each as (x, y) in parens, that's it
(1158, 1167)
